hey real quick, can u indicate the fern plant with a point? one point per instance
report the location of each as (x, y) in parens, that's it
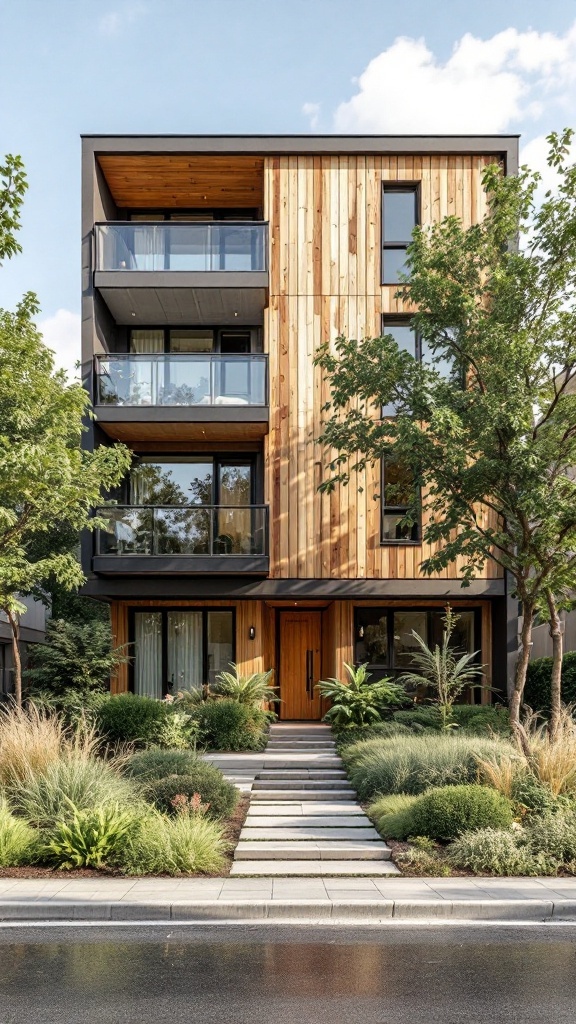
(444, 668)
(89, 837)
(359, 702)
(252, 690)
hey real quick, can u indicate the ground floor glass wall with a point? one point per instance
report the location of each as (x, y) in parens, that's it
(180, 649)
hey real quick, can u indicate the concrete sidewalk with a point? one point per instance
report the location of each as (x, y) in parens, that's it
(305, 899)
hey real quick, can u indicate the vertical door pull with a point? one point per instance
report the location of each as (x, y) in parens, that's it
(310, 674)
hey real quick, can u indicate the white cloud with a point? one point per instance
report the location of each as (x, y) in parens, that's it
(111, 23)
(61, 333)
(485, 86)
(312, 112)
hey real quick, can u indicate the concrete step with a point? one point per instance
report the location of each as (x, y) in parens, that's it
(302, 773)
(308, 832)
(325, 795)
(283, 759)
(313, 868)
(309, 850)
(292, 784)
(300, 745)
(316, 808)
(322, 822)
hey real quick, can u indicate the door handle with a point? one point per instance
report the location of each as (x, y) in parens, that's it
(310, 674)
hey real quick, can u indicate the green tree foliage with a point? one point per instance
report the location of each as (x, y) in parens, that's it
(75, 656)
(46, 478)
(492, 460)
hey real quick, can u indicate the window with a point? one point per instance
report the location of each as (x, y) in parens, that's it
(180, 649)
(383, 636)
(400, 214)
(399, 503)
(182, 341)
(408, 340)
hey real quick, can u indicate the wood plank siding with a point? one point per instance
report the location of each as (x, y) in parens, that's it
(325, 274)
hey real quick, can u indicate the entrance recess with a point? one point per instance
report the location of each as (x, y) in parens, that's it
(300, 645)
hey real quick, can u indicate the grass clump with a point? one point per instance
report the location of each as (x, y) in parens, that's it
(18, 841)
(413, 764)
(378, 730)
(46, 797)
(32, 739)
(203, 779)
(186, 844)
(391, 815)
(444, 814)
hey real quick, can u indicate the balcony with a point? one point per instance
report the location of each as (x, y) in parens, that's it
(137, 395)
(172, 272)
(182, 539)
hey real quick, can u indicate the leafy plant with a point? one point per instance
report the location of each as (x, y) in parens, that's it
(359, 702)
(253, 690)
(76, 656)
(18, 841)
(538, 682)
(184, 844)
(202, 778)
(496, 851)
(225, 724)
(45, 797)
(447, 812)
(87, 838)
(129, 718)
(412, 764)
(554, 836)
(74, 708)
(391, 815)
(443, 668)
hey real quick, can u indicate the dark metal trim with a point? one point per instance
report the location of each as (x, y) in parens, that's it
(182, 414)
(220, 279)
(144, 565)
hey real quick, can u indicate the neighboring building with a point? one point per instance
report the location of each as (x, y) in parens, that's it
(213, 268)
(32, 631)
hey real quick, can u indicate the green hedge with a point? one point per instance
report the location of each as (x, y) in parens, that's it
(446, 813)
(127, 718)
(538, 679)
(225, 724)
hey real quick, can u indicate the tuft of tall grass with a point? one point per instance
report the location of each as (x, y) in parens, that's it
(18, 841)
(553, 760)
(413, 764)
(501, 773)
(186, 844)
(44, 797)
(392, 815)
(32, 739)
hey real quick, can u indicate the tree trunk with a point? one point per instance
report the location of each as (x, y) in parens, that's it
(557, 652)
(520, 678)
(15, 627)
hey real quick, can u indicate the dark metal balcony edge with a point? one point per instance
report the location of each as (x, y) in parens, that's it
(221, 279)
(144, 565)
(153, 584)
(182, 414)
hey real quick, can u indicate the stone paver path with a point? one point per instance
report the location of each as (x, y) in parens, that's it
(304, 818)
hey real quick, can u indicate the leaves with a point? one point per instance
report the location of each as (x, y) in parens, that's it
(359, 702)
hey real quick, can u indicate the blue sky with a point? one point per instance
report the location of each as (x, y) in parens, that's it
(186, 66)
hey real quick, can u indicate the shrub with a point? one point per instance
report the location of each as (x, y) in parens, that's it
(87, 838)
(482, 719)
(392, 815)
(554, 836)
(530, 795)
(206, 780)
(172, 846)
(18, 841)
(412, 764)
(224, 724)
(45, 797)
(446, 813)
(418, 718)
(493, 851)
(128, 718)
(78, 656)
(359, 702)
(378, 730)
(73, 707)
(147, 766)
(253, 690)
(539, 677)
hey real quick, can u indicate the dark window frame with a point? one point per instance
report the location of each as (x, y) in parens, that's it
(218, 329)
(390, 187)
(388, 666)
(164, 610)
(251, 458)
(396, 510)
(196, 213)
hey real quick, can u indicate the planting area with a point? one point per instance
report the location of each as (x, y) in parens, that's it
(464, 799)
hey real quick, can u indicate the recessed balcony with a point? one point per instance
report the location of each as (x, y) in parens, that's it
(170, 272)
(182, 539)
(193, 392)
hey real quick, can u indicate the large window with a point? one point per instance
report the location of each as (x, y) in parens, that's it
(383, 636)
(180, 649)
(400, 505)
(192, 340)
(408, 340)
(400, 214)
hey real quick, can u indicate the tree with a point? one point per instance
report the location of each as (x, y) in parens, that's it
(46, 479)
(76, 656)
(491, 445)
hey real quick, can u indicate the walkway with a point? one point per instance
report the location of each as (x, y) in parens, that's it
(304, 818)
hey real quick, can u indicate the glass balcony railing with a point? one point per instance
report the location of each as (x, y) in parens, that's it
(234, 246)
(183, 530)
(205, 379)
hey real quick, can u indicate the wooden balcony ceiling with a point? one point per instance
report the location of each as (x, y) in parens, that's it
(163, 182)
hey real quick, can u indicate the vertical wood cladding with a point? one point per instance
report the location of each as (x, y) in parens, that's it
(325, 265)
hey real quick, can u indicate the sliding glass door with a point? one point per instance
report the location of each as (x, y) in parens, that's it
(180, 649)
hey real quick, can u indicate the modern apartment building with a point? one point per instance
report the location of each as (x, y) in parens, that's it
(213, 268)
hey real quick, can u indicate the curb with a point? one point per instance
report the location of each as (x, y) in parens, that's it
(308, 911)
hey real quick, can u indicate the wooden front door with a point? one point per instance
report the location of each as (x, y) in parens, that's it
(300, 646)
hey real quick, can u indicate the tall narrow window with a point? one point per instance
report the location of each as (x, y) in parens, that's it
(399, 503)
(400, 214)
(399, 328)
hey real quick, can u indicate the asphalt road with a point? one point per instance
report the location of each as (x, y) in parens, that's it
(276, 975)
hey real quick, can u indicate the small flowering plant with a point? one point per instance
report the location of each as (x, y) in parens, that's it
(191, 806)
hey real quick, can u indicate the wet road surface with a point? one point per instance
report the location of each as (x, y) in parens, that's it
(275, 975)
